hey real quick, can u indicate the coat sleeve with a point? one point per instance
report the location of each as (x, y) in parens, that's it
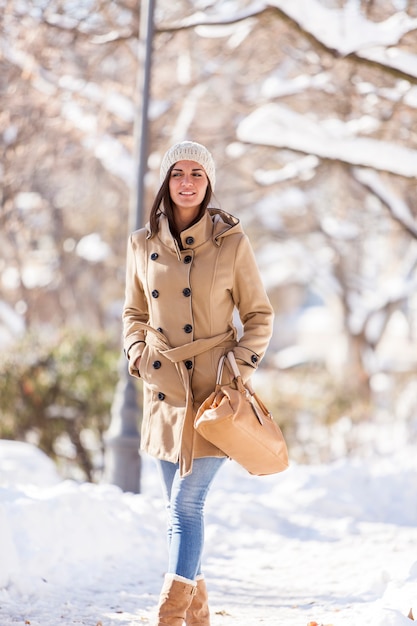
(135, 307)
(255, 310)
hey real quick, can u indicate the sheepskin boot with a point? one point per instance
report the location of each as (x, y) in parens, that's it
(176, 596)
(198, 613)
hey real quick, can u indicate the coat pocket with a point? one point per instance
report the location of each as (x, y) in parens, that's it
(161, 377)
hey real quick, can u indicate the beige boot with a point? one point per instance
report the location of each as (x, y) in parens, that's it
(198, 614)
(175, 598)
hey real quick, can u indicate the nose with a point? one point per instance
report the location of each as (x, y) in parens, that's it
(187, 179)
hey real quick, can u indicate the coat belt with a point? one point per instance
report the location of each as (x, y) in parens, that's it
(177, 356)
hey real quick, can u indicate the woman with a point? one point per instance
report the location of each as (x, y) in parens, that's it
(186, 273)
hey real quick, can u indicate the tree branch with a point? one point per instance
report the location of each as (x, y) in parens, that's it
(200, 19)
(398, 209)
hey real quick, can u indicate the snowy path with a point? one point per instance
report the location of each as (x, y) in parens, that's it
(331, 544)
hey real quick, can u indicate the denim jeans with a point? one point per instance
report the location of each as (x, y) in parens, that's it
(185, 499)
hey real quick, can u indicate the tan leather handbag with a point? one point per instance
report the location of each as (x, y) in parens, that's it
(235, 420)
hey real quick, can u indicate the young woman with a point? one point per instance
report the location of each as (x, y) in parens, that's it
(187, 271)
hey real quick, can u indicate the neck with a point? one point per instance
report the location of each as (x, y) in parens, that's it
(184, 219)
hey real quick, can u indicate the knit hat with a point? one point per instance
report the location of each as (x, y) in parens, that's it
(189, 151)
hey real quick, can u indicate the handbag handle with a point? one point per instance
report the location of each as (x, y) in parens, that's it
(220, 370)
(236, 372)
(231, 360)
(247, 385)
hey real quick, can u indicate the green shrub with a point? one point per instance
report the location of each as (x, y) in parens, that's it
(58, 395)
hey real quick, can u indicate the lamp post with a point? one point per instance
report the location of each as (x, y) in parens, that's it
(122, 459)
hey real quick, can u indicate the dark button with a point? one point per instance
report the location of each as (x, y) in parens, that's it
(188, 364)
(155, 293)
(254, 358)
(188, 328)
(156, 364)
(188, 258)
(189, 241)
(161, 396)
(186, 292)
(159, 329)
(154, 256)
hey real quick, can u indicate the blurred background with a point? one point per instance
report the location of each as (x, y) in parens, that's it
(310, 110)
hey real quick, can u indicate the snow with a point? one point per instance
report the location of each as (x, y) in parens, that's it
(92, 248)
(331, 543)
(114, 102)
(277, 125)
(113, 156)
(276, 87)
(392, 57)
(346, 30)
(302, 168)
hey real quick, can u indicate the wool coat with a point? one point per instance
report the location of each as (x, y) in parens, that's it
(179, 318)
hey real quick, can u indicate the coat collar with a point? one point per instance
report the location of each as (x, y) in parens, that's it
(214, 225)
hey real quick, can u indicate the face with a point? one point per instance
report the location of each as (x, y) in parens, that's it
(187, 186)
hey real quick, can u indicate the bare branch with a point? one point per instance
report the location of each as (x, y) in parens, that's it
(201, 19)
(397, 208)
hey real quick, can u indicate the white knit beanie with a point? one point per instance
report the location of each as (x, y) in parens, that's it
(189, 151)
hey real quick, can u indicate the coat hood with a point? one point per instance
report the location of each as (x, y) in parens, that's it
(224, 224)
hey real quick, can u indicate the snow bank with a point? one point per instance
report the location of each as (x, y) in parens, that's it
(61, 531)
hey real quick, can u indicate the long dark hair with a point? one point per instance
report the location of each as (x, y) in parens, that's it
(163, 198)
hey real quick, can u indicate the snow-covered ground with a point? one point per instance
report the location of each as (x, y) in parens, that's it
(331, 544)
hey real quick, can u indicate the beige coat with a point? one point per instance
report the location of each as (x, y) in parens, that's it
(188, 296)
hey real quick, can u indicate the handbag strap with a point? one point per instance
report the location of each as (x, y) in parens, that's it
(230, 361)
(220, 368)
(247, 385)
(233, 365)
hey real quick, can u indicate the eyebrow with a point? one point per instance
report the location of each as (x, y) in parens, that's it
(195, 169)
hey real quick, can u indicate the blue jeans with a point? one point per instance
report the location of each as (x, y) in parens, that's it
(185, 499)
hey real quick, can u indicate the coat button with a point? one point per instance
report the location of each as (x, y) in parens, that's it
(154, 256)
(161, 396)
(188, 365)
(189, 241)
(155, 293)
(188, 258)
(156, 364)
(159, 329)
(186, 292)
(188, 328)
(254, 358)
